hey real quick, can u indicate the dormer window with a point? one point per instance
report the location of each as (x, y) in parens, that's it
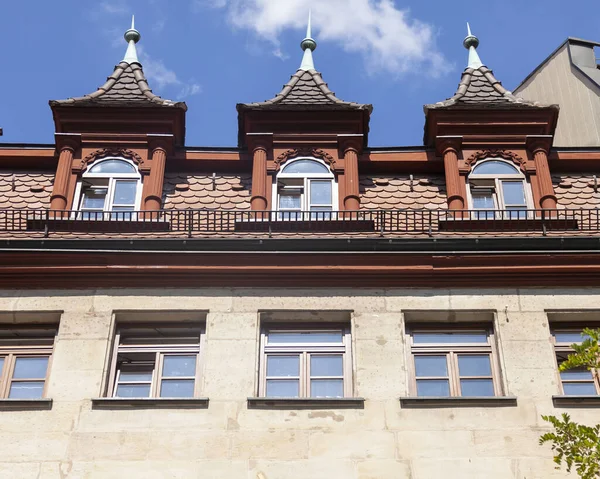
(109, 185)
(305, 184)
(498, 189)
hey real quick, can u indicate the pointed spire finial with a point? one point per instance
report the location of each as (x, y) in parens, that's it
(132, 36)
(308, 45)
(471, 42)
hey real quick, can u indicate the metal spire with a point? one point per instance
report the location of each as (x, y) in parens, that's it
(132, 36)
(471, 43)
(308, 45)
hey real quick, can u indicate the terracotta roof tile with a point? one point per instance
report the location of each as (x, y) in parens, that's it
(231, 191)
(394, 192)
(24, 189)
(576, 191)
(126, 86)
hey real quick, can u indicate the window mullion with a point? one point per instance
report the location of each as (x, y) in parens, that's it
(306, 375)
(454, 374)
(157, 376)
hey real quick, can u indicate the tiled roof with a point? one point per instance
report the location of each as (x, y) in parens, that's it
(196, 191)
(127, 86)
(576, 191)
(394, 192)
(306, 89)
(25, 189)
(479, 87)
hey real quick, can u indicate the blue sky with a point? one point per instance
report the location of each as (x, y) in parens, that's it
(216, 53)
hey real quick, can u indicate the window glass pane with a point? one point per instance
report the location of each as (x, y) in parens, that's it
(282, 389)
(134, 376)
(1, 366)
(495, 167)
(451, 338)
(474, 365)
(31, 368)
(327, 388)
(570, 337)
(289, 202)
(306, 337)
(93, 198)
(577, 374)
(580, 389)
(133, 391)
(181, 388)
(437, 388)
(26, 390)
(113, 166)
(431, 366)
(305, 166)
(326, 365)
(320, 192)
(483, 200)
(514, 192)
(283, 366)
(125, 192)
(179, 366)
(476, 387)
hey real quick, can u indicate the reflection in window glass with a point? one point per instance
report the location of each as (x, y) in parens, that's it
(306, 337)
(450, 337)
(431, 366)
(112, 167)
(433, 388)
(494, 167)
(30, 368)
(305, 167)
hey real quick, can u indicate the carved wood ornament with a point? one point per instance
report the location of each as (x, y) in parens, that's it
(506, 155)
(109, 152)
(309, 152)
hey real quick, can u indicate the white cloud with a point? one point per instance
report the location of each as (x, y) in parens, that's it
(387, 37)
(162, 78)
(114, 8)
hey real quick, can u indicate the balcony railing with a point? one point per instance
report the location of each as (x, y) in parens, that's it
(200, 223)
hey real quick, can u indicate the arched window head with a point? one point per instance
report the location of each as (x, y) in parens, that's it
(495, 167)
(116, 167)
(110, 184)
(305, 167)
(498, 188)
(305, 184)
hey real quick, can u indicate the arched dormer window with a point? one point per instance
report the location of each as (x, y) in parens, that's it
(109, 185)
(305, 184)
(497, 185)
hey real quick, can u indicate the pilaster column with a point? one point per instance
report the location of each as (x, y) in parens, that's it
(350, 147)
(260, 144)
(539, 146)
(449, 148)
(66, 144)
(158, 146)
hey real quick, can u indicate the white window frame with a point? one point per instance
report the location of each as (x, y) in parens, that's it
(109, 198)
(304, 191)
(565, 348)
(494, 183)
(186, 345)
(305, 351)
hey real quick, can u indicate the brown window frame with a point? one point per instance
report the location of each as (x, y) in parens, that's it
(305, 351)
(452, 351)
(565, 348)
(160, 347)
(11, 350)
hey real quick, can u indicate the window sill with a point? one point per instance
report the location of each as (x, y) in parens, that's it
(154, 403)
(576, 401)
(433, 402)
(306, 403)
(25, 404)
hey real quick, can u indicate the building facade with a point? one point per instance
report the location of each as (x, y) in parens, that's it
(302, 305)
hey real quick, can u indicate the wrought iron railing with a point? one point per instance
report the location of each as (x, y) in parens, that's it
(207, 222)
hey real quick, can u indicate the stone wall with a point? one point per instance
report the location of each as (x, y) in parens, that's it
(230, 441)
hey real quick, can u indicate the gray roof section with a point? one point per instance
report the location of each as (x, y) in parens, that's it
(127, 86)
(305, 90)
(582, 56)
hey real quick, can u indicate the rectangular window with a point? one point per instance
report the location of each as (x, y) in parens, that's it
(305, 363)
(25, 356)
(577, 381)
(157, 361)
(454, 362)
